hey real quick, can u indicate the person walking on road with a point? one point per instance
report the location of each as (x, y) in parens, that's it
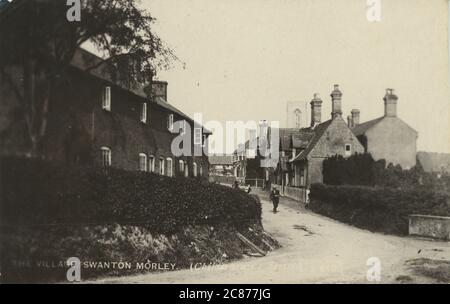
(236, 185)
(275, 198)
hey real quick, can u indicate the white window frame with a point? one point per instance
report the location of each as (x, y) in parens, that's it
(294, 153)
(170, 122)
(151, 163)
(183, 127)
(348, 152)
(106, 156)
(181, 165)
(204, 139)
(106, 98)
(169, 167)
(194, 169)
(198, 136)
(162, 164)
(144, 112)
(302, 177)
(186, 169)
(143, 162)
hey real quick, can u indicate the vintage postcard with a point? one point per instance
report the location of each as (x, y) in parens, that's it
(224, 142)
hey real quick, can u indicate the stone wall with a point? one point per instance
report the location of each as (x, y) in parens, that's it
(430, 226)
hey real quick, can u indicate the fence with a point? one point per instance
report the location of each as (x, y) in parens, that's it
(222, 179)
(254, 182)
(300, 194)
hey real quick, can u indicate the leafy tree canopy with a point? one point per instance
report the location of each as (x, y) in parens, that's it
(119, 29)
(37, 38)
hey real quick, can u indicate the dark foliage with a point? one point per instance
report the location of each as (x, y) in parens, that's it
(377, 209)
(38, 40)
(361, 169)
(39, 193)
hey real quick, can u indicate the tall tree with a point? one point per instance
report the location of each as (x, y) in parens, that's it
(37, 37)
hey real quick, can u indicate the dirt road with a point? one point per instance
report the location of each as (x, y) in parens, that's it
(315, 249)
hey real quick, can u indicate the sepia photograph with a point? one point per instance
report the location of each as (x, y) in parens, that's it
(239, 143)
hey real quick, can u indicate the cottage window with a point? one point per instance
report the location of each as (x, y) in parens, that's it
(181, 166)
(194, 169)
(106, 156)
(298, 115)
(144, 112)
(162, 166)
(151, 163)
(183, 127)
(201, 170)
(348, 149)
(106, 101)
(198, 139)
(186, 169)
(169, 167)
(170, 122)
(143, 162)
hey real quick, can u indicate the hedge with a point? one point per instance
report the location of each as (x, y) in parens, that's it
(375, 208)
(36, 192)
(361, 169)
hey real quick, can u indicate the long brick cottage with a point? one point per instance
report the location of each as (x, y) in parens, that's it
(95, 120)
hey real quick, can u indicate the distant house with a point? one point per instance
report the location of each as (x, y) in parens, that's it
(222, 165)
(302, 151)
(387, 137)
(94, 119)
(437, 163)
(246, 166)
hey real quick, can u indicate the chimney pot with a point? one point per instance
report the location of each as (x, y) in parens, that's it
(316, 110)
(336, 99)
(159, 89)
(355, 117)
(349, 121)
(390, 103)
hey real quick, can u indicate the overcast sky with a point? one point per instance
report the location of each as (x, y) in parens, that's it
(246, 58)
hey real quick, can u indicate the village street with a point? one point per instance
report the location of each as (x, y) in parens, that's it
(315, 249)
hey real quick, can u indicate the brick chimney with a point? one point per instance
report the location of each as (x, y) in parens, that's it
(349, 121)
(355, 117)
(336, 99)
(159, 89)
(390, 103)
(316, 110)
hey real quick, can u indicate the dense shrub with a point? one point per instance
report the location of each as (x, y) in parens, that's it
(361, 169)
(44, 193)
(375, 208)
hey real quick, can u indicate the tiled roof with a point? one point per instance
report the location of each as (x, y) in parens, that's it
(285, 135)
(301, 139)
(83, 60)
(318, 131)
(362, 128)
